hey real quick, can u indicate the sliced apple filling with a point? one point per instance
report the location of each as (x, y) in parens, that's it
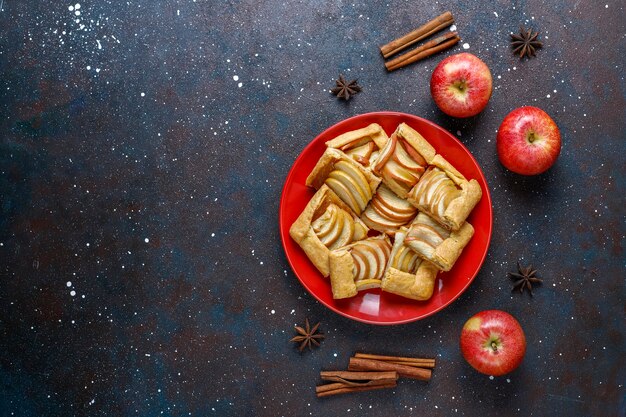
(435, 191)
(336, 228)
(387, 212)
(359, 266)
(436, 244)
(425, 235)
(399, 165)
(405, 260)
(370, 260)
(350, 185)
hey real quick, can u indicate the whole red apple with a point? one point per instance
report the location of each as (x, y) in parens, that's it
(461, 85)
(528, 141)
(493, 342)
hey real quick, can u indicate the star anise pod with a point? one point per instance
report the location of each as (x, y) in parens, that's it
(525, 279)
(344, 89)
(525, 43)
(307, 336)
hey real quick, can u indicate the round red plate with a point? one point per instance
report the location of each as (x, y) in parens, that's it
(375, 306)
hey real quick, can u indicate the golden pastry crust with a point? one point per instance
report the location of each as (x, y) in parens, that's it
(374, 132)
(302, 232)
(342, 270)
(417, 286)
(341, 275)
(460, 207)
(416, 141)
(447, 251)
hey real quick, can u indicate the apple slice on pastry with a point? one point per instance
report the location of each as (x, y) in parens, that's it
(403, 160)
(386, 211)
(358, 266)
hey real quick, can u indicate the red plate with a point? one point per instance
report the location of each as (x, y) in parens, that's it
(374, 306)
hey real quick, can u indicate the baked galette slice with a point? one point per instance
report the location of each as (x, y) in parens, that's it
(387, 212)
(359, 266)
(445, 194)
(407, 274)
(353, 184)
(403, 160)
(436, 244)
(362, 145)
(326, 223)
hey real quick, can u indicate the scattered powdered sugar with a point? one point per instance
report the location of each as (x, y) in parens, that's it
(87, 32)
(466, 45)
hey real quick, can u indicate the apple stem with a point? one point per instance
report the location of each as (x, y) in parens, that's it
(494, 346)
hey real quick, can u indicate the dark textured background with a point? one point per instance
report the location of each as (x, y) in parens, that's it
(140, 264)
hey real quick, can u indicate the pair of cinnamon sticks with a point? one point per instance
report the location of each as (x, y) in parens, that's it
(369, 372)
(432, 47)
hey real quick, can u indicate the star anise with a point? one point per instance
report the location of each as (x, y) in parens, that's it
(525, 278)
(525, 43)
(307, 336)
(344, 89)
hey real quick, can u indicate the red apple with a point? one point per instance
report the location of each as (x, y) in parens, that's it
(493, 342)
(461, 85)
(528, 141)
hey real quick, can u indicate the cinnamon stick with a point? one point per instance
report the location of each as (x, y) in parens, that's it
(339, 388)
(436, 45)
(350, 381)
(400, 360)
(359, 364)
(355, 378)
(428, 45)
(434, 26)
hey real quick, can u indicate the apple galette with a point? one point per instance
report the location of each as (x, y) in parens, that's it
(359, 266)
(352, 183)
(326, 223)
(403, 160)
(407, 274)
(436, 244)
(419, 210)
(362, 145)
(445, 194)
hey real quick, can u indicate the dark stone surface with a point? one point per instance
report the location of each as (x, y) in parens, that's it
(141, 271)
